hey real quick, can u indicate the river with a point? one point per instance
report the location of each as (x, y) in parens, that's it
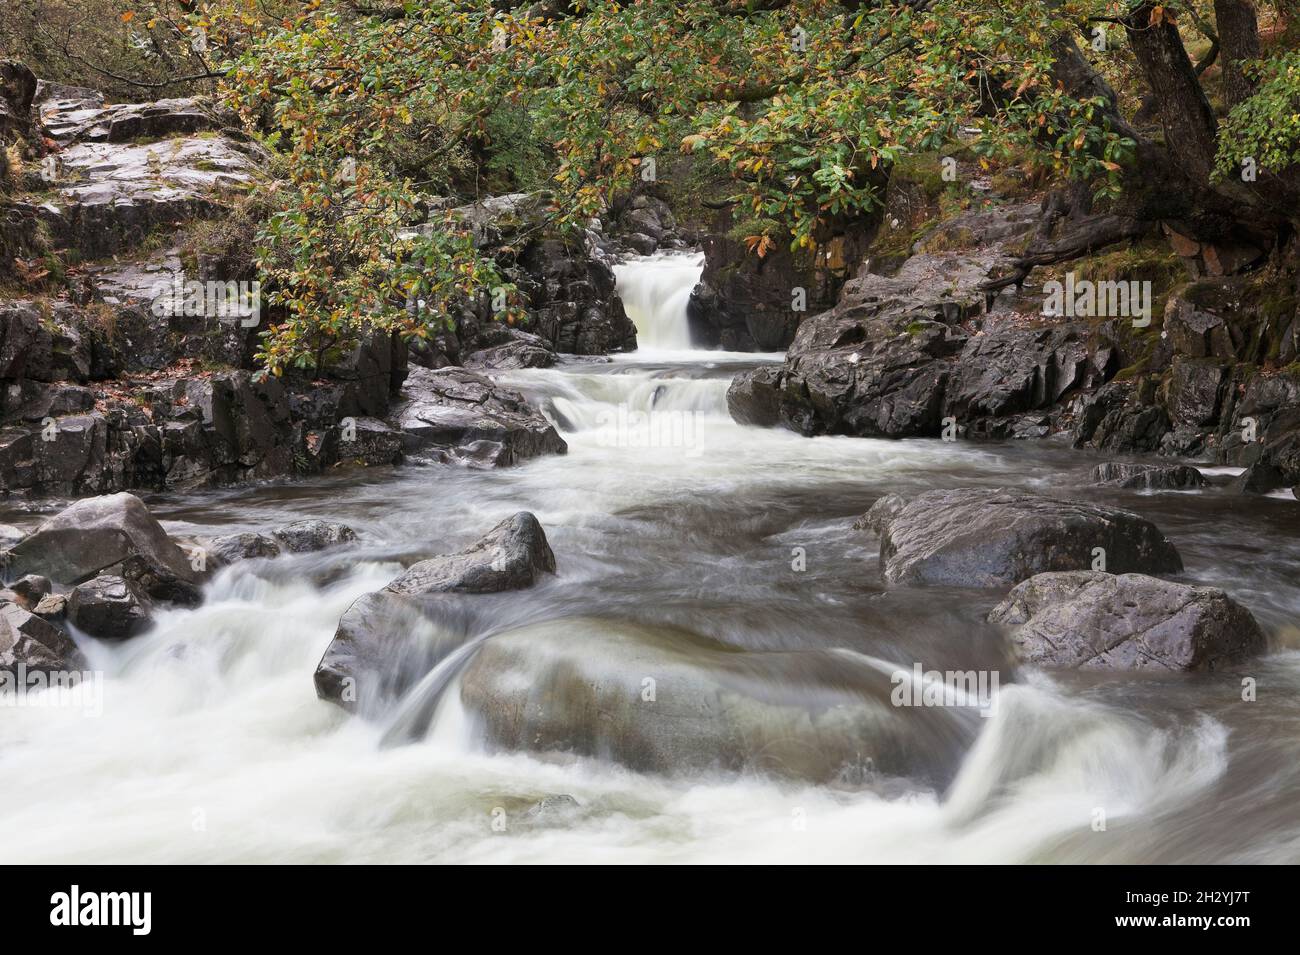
(212, 745)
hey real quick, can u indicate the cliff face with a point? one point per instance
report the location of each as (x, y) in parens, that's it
(116, 220)
(748, 302)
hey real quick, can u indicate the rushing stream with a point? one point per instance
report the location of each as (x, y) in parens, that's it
(212, 745)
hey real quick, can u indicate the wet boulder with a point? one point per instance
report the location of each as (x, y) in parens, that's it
(444, 413)
(113, 534)
(34, 643)
(1090, 620)
(385, 642)
(977, 537)
(509, 557)
(303, 537)
(754, 397)
(1151, 477)
(110, 608)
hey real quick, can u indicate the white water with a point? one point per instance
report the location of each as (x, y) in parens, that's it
(213, 747)
(655, 290)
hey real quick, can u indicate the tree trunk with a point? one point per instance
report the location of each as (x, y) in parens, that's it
(1239, 38)
(1185, 114)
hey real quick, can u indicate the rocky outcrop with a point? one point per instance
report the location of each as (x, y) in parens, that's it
(645, 223)
(110, 535)
(1151, 477)
(384, 642)
(900, 353)
(660, 700)
(976, 537)
(1090, 620)
(1221, 384)
(567, 285)
(99, 391)
(109, 607)
(454, 415)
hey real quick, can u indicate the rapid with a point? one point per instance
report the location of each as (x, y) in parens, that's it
(732, 545)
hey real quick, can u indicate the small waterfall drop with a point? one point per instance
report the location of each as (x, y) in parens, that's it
(655, 290)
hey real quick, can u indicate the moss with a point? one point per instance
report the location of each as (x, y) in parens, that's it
(951, 240)
(1151, 261)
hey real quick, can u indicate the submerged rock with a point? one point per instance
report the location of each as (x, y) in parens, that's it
(384, 642)
(1091, 620)
(302, 537)
(667, 701)
(1148, 476)
(109, 607)
(231, 548)
(976, 537)
(113, 534)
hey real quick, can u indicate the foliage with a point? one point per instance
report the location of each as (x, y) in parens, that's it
(1266, 127)
(801, 106)
(124, 47)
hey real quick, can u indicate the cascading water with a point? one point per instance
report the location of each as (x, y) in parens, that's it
(681, 560)
(655, 290)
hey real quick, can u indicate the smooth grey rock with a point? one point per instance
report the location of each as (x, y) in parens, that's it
(976, 537)
(509, 557)
(579, 685)
(521, 350)
(1091, 620)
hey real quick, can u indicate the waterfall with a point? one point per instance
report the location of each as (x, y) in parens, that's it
(655, 290)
